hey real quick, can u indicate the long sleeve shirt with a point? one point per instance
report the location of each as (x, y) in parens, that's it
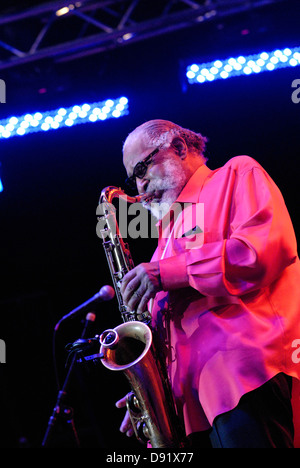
(230, 306)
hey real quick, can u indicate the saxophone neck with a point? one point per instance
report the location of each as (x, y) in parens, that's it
(109, 193)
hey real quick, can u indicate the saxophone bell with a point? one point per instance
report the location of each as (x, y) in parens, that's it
(148, 402)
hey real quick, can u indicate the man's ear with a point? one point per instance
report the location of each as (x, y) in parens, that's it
(180, 147)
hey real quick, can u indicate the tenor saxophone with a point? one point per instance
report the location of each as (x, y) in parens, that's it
(130, 347)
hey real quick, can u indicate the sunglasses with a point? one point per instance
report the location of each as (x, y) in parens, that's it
(140, 169)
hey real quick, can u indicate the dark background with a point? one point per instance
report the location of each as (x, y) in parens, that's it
(52, 260)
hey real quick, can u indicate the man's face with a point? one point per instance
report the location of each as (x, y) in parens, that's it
(165, 176)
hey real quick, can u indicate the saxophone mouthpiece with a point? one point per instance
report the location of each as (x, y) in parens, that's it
(146, 197)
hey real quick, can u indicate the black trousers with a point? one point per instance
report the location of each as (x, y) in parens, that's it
(262, 419)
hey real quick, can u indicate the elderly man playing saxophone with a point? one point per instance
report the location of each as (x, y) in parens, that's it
(225, 295)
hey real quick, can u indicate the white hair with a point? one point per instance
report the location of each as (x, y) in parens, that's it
(162, 132)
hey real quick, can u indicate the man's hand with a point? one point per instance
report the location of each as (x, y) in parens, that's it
(126, 425)
(140, 285)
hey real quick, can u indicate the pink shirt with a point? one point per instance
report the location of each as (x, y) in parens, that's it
(235, 300)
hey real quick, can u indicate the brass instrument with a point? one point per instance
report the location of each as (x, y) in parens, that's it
(130, 346)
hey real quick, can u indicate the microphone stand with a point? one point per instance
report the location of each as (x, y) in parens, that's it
(61, 409)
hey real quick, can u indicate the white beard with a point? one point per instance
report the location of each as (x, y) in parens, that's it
(164, 192)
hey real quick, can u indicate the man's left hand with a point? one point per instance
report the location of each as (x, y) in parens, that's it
(140, 285)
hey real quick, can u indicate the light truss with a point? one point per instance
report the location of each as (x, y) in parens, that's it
(67, 30)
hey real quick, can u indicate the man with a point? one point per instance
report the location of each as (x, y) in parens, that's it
(225, 293)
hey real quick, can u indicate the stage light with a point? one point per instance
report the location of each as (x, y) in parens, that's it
(64, 10)
(243, 65)
(63, 117)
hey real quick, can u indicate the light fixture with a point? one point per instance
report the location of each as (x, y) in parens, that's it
(63, 117)
(243, 65)
(64, 10)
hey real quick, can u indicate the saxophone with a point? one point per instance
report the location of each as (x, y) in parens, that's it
(130, 347)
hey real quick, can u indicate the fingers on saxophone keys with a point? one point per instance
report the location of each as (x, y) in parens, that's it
(121, 403)
(126, 426)
(127, 430)
(126, 280)
(135, 299)
(144, 302)
(131, 290)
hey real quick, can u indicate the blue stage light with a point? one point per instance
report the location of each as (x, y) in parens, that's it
(63, 117)
(243, 65)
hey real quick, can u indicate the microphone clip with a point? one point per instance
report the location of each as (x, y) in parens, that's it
(80, 347)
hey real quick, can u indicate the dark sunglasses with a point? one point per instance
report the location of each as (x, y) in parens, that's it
(140, 169)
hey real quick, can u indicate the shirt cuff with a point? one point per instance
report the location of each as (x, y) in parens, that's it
(173, 272)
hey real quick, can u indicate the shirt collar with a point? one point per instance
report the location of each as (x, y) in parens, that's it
(190, 192)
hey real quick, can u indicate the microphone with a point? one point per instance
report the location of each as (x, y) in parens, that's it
(106, 293)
